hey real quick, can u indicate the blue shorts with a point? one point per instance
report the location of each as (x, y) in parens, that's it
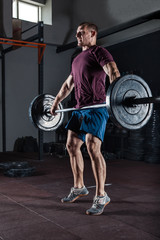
(91, 121)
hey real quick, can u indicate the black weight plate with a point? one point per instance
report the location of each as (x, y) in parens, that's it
(9, 165)
(38, 113)
(130, 118)
(20, 172)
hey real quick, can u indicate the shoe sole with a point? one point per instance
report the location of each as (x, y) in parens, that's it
(81, 195)
(97, 214)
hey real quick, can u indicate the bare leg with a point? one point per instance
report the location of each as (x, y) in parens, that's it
(98, 163)
(76, 160)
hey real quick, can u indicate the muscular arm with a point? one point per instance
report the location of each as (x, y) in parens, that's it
(65, 90)
(112, 71)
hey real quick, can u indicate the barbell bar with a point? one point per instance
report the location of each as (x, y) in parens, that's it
(130, 102)
(134, 101)
(128, 99)
(73, 109)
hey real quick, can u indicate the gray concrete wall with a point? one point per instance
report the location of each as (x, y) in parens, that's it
(22, 87)
(105, 13)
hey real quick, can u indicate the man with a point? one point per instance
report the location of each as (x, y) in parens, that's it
(87, 77)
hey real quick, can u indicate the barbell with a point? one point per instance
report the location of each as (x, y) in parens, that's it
(129, 102)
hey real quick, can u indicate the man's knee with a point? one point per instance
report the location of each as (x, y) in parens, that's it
(73, 144)
(71, 147)
(93, 145)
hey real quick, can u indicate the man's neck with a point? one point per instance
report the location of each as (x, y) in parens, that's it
(84, 48)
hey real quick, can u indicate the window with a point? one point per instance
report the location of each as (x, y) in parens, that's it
(33, 10)
(27, 11)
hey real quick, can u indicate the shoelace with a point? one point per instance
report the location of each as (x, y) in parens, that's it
(96, 203)
(73, 191)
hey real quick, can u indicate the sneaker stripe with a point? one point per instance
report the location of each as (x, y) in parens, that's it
(81, 195)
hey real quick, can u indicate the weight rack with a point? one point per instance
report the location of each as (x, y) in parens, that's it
(41, 47)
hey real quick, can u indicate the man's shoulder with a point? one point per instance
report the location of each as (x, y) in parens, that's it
(102, 55)
(99, 49)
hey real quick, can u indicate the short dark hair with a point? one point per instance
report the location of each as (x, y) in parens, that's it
(89, 25)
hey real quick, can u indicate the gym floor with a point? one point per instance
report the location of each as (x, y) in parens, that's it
(30, 207)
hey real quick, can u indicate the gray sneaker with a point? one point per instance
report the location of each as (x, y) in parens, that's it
(74, 194)
(99, 204)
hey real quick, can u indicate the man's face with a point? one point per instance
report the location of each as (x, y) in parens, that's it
(83, 36)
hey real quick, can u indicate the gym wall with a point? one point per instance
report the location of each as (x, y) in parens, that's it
(139, 56)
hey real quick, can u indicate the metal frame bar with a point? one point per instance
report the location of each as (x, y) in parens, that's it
(30, 28)
(3, 104)
(40, 89)
(20, 43)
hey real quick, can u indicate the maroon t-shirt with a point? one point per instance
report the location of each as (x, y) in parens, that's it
(89, 76)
